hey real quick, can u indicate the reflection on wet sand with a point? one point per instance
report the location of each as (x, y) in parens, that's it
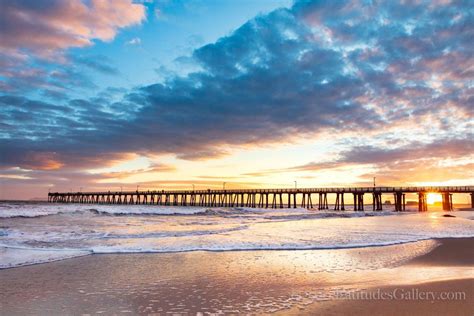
(241, 281)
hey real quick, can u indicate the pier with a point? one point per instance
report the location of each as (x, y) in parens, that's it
(267, 198)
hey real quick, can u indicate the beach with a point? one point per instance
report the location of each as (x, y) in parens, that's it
(257, 282)
(67, 259)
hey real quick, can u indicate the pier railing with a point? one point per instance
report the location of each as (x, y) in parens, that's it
(411, 189)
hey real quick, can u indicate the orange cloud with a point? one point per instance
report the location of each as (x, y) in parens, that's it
(42, 161)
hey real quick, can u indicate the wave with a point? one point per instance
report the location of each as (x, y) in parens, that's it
(34, 211)
(111, 250)
(174, 233)
(30, 256)
(17, 256)
(95, 211)
(154, 210)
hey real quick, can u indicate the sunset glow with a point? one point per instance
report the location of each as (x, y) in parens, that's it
(433, 198)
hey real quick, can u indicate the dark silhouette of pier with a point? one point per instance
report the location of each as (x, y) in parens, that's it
(267, 198)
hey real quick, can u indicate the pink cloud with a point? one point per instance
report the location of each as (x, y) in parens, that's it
(45, 27)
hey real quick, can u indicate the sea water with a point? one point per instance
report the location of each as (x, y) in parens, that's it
(41, 232)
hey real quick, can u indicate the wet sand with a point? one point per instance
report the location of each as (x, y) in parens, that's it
(451, 297)
(452, 252)
(285, 282)
(408, 300)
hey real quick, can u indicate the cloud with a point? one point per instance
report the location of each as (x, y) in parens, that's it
(45, 27)
(97, 63)
(439, 161)
(414, 152)
(34, 37)
(321, 67)
(134, 41)
(17, 183)
(54, 81)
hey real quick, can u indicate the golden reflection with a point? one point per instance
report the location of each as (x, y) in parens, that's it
(434, 215)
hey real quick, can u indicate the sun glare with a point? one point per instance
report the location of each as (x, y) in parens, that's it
(432, 198)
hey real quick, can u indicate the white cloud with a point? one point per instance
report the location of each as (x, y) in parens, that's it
(134, 41)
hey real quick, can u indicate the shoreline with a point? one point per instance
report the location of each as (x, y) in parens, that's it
(264, 281)
(83, 253)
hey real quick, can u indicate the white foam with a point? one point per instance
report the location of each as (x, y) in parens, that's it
(39, 209)
(332, 233)
(12, 210)
(16, 257)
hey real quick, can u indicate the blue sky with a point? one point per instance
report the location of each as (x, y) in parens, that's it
(102, 94)
(146, 53)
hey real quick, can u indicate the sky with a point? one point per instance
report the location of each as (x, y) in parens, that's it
(109, 95)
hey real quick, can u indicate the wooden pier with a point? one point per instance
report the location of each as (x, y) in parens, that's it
(267, 198)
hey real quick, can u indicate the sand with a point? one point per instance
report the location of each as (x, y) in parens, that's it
(459, 304)
(257, 282)
(451, 297)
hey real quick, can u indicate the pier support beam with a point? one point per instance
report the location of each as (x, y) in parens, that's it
(447, 199)
(422, 204)
(323, 201)
(399, 198)
(377, 201)
(358, 201)
(339, 204)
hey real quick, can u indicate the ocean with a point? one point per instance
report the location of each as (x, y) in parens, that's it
(37, 232)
